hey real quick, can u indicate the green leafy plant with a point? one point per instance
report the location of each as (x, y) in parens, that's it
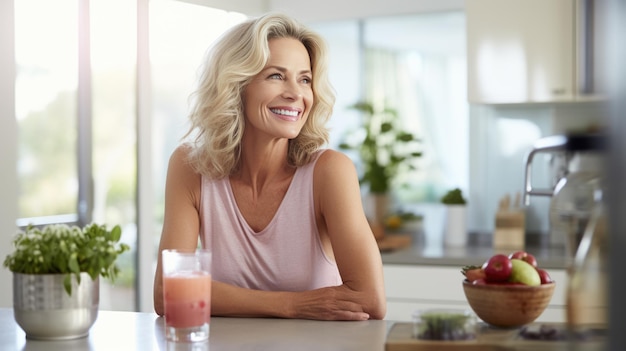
(385, 149)
(69, 250)
(454, 197)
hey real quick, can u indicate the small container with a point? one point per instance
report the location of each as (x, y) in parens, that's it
(444, 324)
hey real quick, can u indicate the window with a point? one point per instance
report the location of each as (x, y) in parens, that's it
(46, 50)
(75, 106)
(113, 47)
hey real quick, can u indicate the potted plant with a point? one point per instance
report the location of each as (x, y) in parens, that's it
(385, 150)
(56, 272)
(453, 197)
(455, 228)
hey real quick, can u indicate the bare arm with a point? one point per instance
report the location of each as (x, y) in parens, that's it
(355, 250)
(181, 222)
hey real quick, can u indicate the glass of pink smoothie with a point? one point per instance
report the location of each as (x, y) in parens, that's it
(187, 294)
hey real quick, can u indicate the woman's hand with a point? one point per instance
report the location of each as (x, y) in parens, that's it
(331, 303)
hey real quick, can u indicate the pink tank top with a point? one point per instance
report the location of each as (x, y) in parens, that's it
(285, 256)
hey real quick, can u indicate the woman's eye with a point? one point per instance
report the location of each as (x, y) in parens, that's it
(306, 80)
(275, 76)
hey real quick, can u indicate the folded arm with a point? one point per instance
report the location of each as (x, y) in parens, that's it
(342, 218)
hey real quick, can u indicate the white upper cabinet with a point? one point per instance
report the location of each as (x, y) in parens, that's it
(523, 51)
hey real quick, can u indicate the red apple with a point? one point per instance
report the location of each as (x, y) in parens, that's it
(544, 276)
(524, 256)
(498, 268)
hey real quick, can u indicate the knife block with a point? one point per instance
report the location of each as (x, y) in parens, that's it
(510, 228)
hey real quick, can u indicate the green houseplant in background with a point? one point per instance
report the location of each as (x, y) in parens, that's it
(56, 271)
(385, 149)
(453, 197)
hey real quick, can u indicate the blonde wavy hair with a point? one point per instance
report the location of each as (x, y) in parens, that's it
(217, 117)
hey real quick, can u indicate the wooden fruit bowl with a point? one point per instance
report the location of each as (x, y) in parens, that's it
(508, 306)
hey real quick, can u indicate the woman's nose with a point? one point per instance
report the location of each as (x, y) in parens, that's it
(292, 90)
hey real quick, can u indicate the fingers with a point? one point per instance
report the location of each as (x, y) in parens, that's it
(335, 315)
(352, 316)
(335, 303)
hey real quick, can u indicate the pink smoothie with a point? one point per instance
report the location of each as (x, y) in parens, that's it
(187, 298)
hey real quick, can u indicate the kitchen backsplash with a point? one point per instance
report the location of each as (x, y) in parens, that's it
(500, 138)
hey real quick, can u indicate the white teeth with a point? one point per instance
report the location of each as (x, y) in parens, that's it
(285, 112)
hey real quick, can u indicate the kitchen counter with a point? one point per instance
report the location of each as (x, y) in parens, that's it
(122, 331)
(429, 250)
(145, 331)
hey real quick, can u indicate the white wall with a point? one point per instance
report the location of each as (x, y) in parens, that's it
(249, 7)
(8, 146)
(323, 10)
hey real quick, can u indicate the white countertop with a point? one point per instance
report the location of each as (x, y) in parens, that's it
(120, 331)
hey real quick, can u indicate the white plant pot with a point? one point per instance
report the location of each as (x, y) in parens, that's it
(455, 228)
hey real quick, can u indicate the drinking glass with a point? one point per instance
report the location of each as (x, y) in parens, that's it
(187, 294)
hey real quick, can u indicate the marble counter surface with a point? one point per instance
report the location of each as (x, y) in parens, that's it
(430, 250)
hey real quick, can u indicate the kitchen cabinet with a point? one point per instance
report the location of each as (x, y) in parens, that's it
(413, 287)
(526, 51)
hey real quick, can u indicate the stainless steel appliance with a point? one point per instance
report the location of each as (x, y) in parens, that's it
(572, 197)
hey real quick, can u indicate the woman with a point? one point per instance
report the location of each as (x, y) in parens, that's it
(282, 216)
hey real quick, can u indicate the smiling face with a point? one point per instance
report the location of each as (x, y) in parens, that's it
(277, 101)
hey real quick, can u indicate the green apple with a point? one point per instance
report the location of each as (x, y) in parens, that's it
(523, 272)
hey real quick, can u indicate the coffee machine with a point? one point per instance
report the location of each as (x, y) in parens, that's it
(580, 174)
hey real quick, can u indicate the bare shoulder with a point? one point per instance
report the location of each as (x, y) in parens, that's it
(180, 169)
(179, 160)
(180, 156)
(334, 171)
(334, 161)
